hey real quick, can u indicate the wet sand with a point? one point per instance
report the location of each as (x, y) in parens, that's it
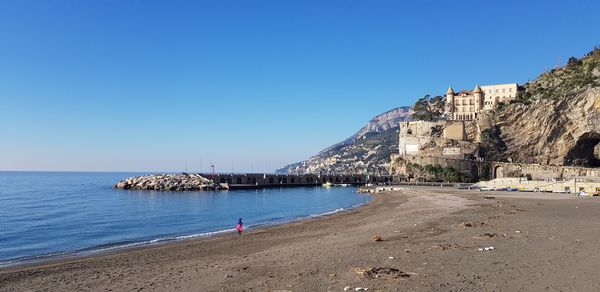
(431, 238)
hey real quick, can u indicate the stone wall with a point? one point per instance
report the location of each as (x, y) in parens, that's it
(485, 170)
(541, 172)
(455, 131)
(566, 186)
(467, 167)
(413, 135)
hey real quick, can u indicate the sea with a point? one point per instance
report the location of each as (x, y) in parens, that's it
(47, 215)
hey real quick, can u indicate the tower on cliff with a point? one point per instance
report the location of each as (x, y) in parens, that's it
(450, 102)
(478, 96)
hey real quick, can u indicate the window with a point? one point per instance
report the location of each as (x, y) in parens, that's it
(496, 90)
(470, 101)
(464, 101)
(510, 90)
(503, 90)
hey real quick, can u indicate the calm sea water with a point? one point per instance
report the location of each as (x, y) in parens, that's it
(47, 214)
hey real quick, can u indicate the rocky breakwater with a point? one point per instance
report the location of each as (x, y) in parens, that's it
(170, 182)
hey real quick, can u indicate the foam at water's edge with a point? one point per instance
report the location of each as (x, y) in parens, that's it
(124, 245)
(106, 248)
(206, 234)
(328, 213)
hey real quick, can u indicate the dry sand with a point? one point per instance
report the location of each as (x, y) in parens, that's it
(430, 242)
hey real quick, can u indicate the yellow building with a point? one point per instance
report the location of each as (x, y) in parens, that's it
(466, 105)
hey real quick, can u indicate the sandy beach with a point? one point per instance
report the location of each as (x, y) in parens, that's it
(430, 242)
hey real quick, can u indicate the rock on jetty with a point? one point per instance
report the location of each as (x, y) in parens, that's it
(170, 182)
(373, 190)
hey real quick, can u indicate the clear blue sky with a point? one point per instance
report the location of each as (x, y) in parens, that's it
(249, 85)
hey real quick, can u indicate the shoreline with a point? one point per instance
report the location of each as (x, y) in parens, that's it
(117, 248)
(430, 241)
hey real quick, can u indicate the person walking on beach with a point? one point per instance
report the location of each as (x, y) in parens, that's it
(240, 226)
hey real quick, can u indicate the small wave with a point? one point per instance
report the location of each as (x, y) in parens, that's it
(328, 213)
(105, 248)
(205, 234)
(110, 247)
(30, 259)
(153, 241)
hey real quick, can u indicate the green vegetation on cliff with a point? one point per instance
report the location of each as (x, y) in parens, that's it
(428, 108)
(436, 173)
(576, 76)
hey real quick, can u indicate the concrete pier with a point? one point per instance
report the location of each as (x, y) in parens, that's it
(265, 180)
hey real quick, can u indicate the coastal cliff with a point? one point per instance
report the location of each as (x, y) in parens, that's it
(556, 121)
(369, 149)
(169, 182)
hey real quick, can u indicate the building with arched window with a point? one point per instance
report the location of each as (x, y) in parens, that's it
(466, 104)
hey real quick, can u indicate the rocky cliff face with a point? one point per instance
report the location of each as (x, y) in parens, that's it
(385, 121)
(369, 149)
(556, 121)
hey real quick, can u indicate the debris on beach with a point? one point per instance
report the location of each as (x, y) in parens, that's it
(373, 190)
(377, 238)
(489, 198)
(445, 246)
(486, 248)
(378, 272)
(515, 211)
(473, 224)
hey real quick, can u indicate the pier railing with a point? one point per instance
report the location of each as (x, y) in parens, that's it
(266, 180)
